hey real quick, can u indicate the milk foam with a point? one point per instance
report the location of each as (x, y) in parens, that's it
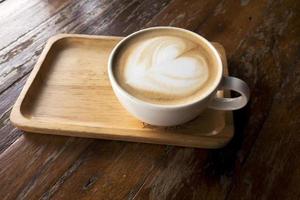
(166, 65)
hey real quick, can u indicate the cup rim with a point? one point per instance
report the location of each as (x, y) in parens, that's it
(115, 84)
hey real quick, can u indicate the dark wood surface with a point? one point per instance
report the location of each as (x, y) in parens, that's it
(261, 162)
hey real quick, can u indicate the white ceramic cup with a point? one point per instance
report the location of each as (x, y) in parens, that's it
(171, 115)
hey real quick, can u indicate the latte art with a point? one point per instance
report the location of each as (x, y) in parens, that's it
(166, 65)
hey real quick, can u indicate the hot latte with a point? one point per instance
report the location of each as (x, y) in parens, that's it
(165, 67)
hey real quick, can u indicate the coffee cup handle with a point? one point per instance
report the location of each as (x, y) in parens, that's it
(235, 84)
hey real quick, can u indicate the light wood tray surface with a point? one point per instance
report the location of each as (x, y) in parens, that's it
(68, 93)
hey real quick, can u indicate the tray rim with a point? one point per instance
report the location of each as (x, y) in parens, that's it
(22, 122)
(17, 118)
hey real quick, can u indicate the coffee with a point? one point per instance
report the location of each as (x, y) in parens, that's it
(165, 67)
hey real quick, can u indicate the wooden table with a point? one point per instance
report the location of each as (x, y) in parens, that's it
(261, 162)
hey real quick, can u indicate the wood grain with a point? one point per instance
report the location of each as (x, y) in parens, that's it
(36, 159)
(261, 39)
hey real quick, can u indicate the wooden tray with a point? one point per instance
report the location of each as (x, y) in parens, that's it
(68, 93)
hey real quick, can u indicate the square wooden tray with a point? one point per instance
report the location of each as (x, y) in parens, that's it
(68, 93)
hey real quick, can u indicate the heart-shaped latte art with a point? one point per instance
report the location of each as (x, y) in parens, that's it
(167, 65)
